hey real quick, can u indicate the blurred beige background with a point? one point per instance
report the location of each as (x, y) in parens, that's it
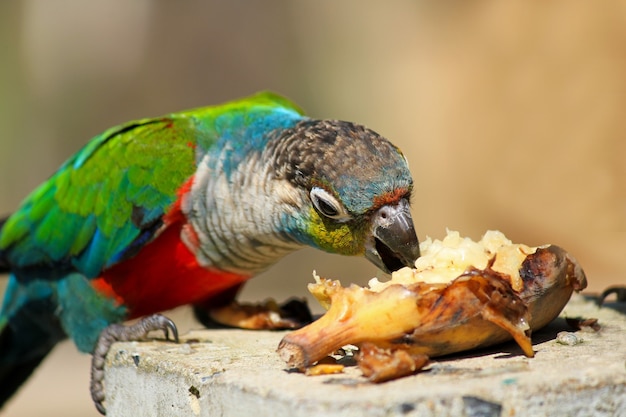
(510, 113)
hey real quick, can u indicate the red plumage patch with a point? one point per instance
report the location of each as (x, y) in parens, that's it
(175, 214)
(165, 273)
(391, 197)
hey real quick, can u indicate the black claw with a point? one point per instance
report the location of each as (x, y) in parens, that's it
(169, 327)
(119, 332)
(620, 292)
(151, 323)
(100, 408)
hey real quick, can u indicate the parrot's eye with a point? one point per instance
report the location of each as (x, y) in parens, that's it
(328, 205)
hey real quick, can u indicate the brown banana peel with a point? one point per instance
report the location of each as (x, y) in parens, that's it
(397, 325)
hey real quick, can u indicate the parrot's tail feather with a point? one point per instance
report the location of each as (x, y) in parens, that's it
(27, 335)
(14, 375)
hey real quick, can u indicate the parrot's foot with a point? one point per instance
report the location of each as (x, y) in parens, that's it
(292, 314)
(620, 293)
(119, 332)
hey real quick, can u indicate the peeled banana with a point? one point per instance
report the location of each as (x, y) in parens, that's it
(461, 295)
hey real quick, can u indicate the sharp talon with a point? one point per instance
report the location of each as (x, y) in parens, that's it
(119, 332)
(100, 407)
(620, 292)
(169, 327)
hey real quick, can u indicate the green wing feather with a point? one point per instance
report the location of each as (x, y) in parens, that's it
(111, 194)
(84, 213)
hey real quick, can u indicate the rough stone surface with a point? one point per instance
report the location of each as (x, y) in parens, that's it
(238, 373)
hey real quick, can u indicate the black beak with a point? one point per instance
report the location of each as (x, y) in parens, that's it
(393, 243)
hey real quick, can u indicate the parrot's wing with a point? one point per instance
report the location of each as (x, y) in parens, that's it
(106, 200)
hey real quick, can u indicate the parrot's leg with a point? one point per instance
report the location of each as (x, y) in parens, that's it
(119, 332)
(223, 310)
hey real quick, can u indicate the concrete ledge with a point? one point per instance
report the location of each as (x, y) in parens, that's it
(238, 373)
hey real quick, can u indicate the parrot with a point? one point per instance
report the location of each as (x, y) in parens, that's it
(183, 209)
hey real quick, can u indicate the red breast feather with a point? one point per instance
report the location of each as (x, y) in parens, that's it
(165, 273)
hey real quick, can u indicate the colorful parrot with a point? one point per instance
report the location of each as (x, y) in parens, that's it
(183, 209)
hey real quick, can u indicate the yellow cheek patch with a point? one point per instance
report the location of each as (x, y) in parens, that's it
(331, 236)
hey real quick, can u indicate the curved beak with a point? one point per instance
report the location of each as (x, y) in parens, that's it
(393, 243)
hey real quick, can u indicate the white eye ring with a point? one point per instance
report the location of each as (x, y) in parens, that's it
(328, 205)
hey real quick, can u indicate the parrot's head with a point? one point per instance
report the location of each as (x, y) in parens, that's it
(348, 191)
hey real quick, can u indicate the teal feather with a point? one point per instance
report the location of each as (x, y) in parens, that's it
(82, 324)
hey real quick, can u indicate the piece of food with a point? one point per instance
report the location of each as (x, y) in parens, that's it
(324, 369)
(460, 295)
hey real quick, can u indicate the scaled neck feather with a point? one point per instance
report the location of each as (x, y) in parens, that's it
(238, 216)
